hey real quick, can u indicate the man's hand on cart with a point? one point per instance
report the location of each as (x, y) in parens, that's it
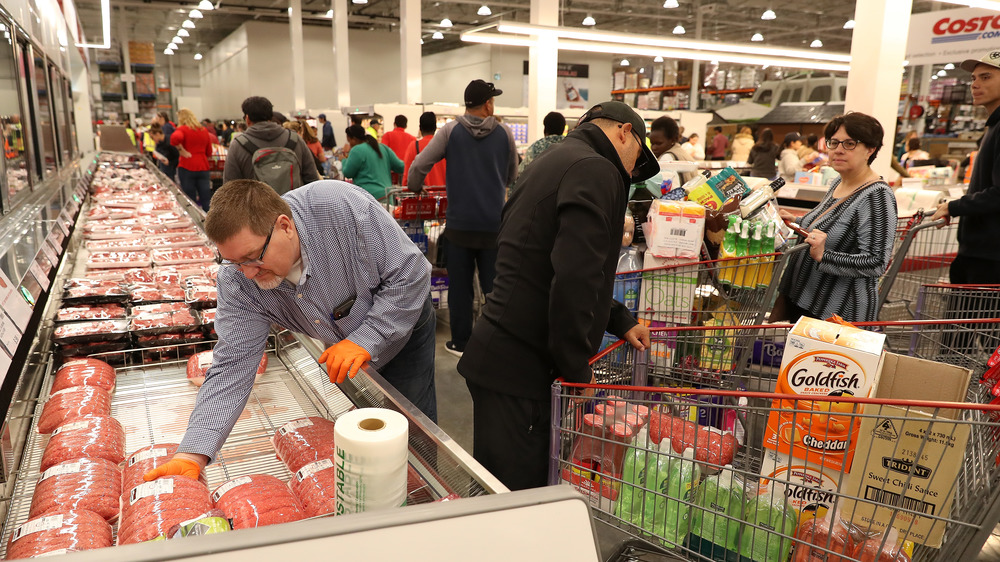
(182, 464)
(638, 336)
(344, 359)
(817, 244)
(942, 213)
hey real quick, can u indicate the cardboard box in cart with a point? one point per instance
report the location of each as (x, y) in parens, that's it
(886, 468)
(822, 359)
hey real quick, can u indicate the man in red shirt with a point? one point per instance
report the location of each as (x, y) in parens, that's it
(398, 140)
(428, 124)
(719, 145)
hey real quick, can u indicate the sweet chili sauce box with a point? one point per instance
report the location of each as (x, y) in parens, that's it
(822, 359)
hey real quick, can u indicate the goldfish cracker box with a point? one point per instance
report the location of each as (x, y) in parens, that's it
(810, 489)
(822, 359)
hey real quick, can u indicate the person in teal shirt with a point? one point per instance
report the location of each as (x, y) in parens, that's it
(369, 163)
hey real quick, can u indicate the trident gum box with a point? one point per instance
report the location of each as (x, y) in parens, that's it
(822, 359)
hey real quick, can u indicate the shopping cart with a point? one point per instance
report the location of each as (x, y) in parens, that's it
(609, 446)
(922, 253)
(738, 290)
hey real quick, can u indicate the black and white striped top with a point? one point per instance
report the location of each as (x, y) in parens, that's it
(860, 234)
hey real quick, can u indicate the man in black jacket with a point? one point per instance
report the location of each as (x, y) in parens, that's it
(551, 301)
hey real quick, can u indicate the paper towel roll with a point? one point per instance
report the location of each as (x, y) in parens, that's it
(909, 200)
(372, 454)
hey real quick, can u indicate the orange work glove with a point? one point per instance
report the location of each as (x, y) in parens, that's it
(174, 467)
(343, 359)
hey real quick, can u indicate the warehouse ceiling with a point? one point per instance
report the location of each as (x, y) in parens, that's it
(797, 24)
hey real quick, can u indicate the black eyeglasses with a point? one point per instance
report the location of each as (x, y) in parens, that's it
(249, 263)
(849, 144)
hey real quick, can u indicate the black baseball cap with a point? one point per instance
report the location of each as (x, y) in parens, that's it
(479, 92)
(646, 165)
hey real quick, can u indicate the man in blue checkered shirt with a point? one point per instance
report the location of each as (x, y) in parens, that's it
(325, 260)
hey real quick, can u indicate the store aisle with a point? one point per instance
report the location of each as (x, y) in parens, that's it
(453, 400)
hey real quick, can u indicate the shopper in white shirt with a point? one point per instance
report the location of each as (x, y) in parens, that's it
(789, 162)
(694, 147)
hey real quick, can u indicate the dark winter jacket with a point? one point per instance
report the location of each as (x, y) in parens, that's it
(557, 253)
(979, 228)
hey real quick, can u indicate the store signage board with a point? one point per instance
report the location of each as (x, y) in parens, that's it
(57, 238)
(13, 303)
(40, 275)
(50, 254)
(10, 336)
(952, 35)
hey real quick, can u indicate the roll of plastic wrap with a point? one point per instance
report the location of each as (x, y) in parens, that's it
(371, 445)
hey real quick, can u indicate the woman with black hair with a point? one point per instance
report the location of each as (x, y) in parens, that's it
(763, 156)
(369, 163)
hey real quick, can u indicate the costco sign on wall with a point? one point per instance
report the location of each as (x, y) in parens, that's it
(952, 35)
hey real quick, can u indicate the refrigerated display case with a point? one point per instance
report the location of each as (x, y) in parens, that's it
(154, 398)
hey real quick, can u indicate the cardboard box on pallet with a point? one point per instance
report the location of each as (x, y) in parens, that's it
(822, 359)
(887, 469)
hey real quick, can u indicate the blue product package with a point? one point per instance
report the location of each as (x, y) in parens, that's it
(768, 353)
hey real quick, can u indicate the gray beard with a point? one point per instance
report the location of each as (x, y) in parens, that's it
(268, 285)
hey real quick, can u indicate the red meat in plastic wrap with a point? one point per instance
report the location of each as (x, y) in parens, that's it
(664, 426)
(256, 501)
(94, 290)
(173, 320)
(91, 330)
(84, 372)
(65, 530)
(205, 295)
(89, 437)
(139, 275)
(145, 459)
(152, 508)
(199, 363)
(71, 403)
(191, 254)
(817, 532)
(302, 441)
(208, 316)
(315, 486)
(92, 484)
(154, 294)
(872, 549)
(90, 312)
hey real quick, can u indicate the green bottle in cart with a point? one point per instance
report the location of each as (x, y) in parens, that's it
(719, 510)
(728, 250)
(766, 270)
(775, 521)
(753, 250)
(673, 480)
(637, 462)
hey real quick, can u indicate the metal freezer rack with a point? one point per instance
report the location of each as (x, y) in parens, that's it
(153, 401)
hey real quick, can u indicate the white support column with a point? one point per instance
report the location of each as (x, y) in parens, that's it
(695, 92)
(298, 55)
(878, 48)
(543, 61)
(410, 52)
(123, 39)
(341, 63)
(923, 97)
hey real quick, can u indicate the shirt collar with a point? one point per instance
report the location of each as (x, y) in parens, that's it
(303, 244)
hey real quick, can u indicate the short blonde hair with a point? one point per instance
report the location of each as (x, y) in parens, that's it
(243, 204)
(293, 126)
(186, 117)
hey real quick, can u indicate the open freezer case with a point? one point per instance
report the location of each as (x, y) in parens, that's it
(153, 400)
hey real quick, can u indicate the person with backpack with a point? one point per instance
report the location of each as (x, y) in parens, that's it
(267, 152)
(370, 162)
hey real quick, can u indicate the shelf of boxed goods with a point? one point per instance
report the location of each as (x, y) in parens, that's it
(155, 357)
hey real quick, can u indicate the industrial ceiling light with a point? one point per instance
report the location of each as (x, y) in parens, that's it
(328, 14)
(446, 22)
(768, 14)
(679, 30)
(197, 56)
(168, 52)
(816, 44)
(757, 37)
(485, 10)
(671, 4)
(205, 5)
(359, 1)
(942, 73)
(188, 24)
(183, 33)
(589, 20)
(949, 66)
(437, 35)
(178, 40)
(195, 14)
(658, 59)
(625, 62)
(105, 28)
(849, 24)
